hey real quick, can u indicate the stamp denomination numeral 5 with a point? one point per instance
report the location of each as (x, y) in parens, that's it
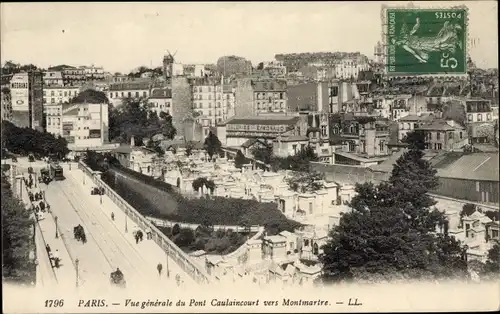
(447, 62)
(54, 303)
(448, 15)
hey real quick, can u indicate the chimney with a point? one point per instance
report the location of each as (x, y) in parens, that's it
(132, 141)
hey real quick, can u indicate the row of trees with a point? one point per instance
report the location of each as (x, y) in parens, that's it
(17, 238)
(26, 140)
(134, 118)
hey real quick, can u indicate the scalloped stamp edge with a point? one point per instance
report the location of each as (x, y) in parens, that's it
(410, 5)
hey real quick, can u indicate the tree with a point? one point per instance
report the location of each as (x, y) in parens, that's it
(415, 139)
(455, 111)
(390, 233)
(263, 153)
(17, 239)
(260, 66)
(133, 118)
(26, 140)
(305, 182)
(492, 265)
(184, 238)
(212, 145)
(239, 160)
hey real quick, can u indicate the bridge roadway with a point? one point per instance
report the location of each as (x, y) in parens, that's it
(108, 246)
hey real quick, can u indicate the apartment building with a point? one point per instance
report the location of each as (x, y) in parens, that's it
(360, 140)
(161, 100)
(53, 78)
(270, 96)
(83, 125)
(133, 89)
(59, 94)
(444, 135)
(209, 102)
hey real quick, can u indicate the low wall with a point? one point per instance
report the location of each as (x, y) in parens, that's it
(173, 251)
(170, 224)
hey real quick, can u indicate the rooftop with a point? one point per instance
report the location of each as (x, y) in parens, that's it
(161, 93)
(416, 118)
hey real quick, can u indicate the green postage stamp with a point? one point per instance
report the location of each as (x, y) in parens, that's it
(426, 41)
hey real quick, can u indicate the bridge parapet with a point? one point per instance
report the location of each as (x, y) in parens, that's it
(182, 259)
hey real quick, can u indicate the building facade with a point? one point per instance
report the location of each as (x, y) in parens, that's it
(161, 100)
(53, 78)
(83, 125)
(270, 96)
(209, 102)
(59, 94)
(444, 135)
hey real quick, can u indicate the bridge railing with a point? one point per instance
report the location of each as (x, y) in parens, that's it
(173, 251)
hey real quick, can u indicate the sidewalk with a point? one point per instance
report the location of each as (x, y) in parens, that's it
(66, 273)
(147, 248)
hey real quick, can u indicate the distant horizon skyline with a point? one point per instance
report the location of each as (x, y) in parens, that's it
(139, 34)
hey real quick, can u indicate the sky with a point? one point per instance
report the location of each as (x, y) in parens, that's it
(123, 36)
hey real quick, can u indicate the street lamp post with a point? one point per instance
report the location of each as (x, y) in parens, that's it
(57, 230)
(168, 270)
(77, 261)
(83, 173)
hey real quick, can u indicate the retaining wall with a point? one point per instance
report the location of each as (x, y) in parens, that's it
(182, 259)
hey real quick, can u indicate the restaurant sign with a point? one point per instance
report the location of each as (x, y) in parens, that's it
(257, 128)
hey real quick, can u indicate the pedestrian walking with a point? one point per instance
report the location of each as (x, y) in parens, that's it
(56, 258)
(149, 234)
(42, 206)
(136, 238)
(159, 268)
(113, 216)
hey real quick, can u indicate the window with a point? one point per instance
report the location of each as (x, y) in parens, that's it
(144, 94)
(44, 93)
(323, 130)
(381, 146)
(439, 146)
(450, 136)
(294, 147)
(461, 135)
(65, 93)
(438, 135)
(129, 94)
(52, 100)
(209, 96)
(52, 93)
(136, 94)
(488, 116)
(479, 117)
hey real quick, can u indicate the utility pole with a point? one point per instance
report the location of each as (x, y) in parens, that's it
(77, 262)
(57, 230)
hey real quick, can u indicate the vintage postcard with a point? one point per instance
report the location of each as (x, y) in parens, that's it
(220, 157)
